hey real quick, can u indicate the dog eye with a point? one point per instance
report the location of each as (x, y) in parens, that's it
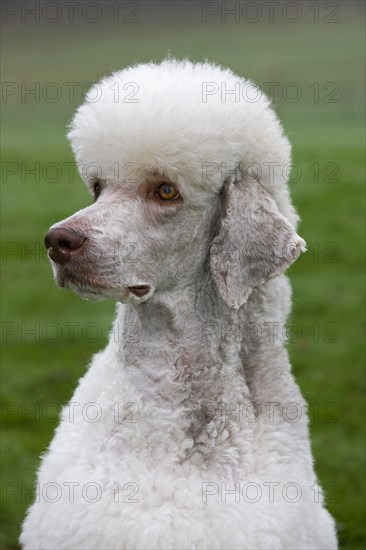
(96, 189)
(167, 192)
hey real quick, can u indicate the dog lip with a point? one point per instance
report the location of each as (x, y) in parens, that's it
(139, 290)
(82, 285)
(64, 280)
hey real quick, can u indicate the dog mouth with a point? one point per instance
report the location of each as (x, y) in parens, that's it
(96, 290)
(85, 289)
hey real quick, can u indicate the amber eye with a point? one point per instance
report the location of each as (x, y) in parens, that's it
(167, 192)
(96, 189)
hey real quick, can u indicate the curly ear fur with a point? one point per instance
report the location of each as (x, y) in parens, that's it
(255, 242)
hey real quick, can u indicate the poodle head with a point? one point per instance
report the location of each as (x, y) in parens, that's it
(188, 165)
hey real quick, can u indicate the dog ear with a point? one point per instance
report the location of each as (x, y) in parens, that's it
(255, 241)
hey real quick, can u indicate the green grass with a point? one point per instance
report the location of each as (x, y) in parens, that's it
(327, 288)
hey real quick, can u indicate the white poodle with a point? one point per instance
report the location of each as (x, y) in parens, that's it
(188, 431)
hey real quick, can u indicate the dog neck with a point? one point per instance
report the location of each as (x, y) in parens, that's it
(184, 332)
(194, 378)
(185, 370)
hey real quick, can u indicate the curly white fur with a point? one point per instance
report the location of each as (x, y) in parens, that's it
(188, 431)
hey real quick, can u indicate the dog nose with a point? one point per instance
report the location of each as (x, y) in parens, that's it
(61, 241)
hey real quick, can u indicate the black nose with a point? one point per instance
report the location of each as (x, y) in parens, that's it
(61, 241)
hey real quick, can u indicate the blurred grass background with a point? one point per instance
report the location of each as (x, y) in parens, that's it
(325, 126)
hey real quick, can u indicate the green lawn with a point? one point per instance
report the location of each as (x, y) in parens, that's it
(328, 147)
